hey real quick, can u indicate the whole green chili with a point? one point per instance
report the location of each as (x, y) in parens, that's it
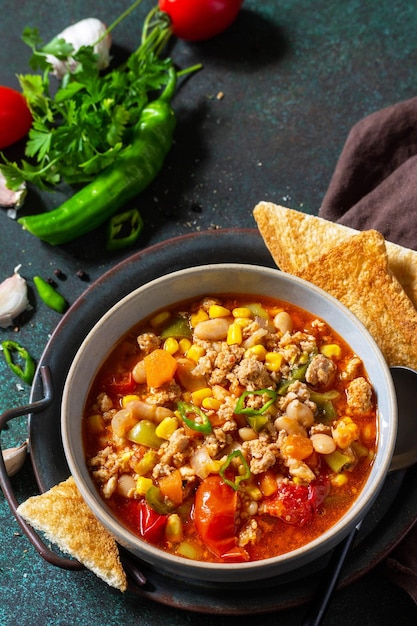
(239, 477)
(202, 427)
(132, 171)
(50, 295)
(124, 229)
(26, 374)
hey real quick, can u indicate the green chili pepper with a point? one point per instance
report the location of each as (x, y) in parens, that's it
(157, 502)
(179, 327)
(26, 374)
(202, 427)
(324, 404)
(238, 479)
(132, 171)
(242, 409)
(50, 295)
(124, 229)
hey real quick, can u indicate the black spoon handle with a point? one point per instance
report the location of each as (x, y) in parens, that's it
(322, 595)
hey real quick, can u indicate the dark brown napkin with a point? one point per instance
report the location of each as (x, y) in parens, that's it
(375, 186)
(375, 181)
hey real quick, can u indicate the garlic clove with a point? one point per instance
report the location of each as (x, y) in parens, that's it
(14, 458)
(10, 199)
(13, 298)
(86, 32)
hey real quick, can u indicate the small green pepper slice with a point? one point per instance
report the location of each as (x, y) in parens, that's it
(50, 295)
(26, 374)
(178, 327)
(202, 427)
(241, 409)
(157, 502)
(234, 484)
(124, 229)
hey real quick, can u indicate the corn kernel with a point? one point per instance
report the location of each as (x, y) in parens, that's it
(258, 351)
(171, 345)
(173, 529)
(160, 319)
(331, 350)
(195, 352)
(130, 397)
(184, 345)
(199, 395)
(146, 464)
(339, 480)
(215, 310)
(166, 427)
(142, 485)
(273, 361)
(253, 491)
(243, 321)
(196, 318)
(211, 404)
(234, 335)
(242, 311)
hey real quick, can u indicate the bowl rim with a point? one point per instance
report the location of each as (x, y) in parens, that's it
(333, 535)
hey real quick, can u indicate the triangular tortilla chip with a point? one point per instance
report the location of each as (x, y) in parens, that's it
(65, 519)
(295, 239)
(356, 272)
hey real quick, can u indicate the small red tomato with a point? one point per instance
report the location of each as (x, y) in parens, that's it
(15, 116)
(194, 20)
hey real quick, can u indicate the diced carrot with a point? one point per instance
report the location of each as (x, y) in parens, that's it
(160, 367)
(268, 483)
(171, 487)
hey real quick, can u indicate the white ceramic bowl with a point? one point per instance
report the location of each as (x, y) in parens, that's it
(211, 280)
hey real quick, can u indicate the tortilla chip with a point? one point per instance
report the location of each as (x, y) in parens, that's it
(296, 239)
(65, 519)
(356, 272)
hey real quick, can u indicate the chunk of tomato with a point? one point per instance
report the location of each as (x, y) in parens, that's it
(151, 524)
(214, 518)
(297, 504)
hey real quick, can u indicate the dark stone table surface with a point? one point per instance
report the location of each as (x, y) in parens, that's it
(294, 75)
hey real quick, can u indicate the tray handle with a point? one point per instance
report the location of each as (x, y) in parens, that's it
(5, 483)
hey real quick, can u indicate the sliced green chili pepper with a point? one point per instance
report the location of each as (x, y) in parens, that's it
(50, 295)
(179, 327)
(157, 502)
(238, 479)
(28, 372)
(324, 404)
(132, 171)
(202, 427)
(124, 229)
(241, 409)
(337, 461)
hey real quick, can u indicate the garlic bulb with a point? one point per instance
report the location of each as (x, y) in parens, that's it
(87, 32)
(9, 198)
(13, 298)
(14, 458)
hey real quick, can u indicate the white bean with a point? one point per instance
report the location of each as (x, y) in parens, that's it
(290, 426)
(125, 485)
(138, 373)
(283, 322)
(247, 434)
(212, 330)
(301, 412)
(323, 444)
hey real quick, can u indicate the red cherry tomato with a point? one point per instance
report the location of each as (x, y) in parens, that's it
(214, 518)
(15, 116)
(195, 20)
